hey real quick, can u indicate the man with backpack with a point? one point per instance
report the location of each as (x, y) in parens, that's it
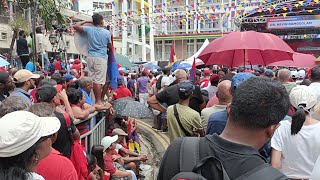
(258, 105)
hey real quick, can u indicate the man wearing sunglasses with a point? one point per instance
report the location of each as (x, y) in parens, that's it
(24, 81)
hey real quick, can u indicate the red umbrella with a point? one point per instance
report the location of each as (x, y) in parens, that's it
(250, 47)
(299, 60)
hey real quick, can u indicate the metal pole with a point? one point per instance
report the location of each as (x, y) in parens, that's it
(34, 21)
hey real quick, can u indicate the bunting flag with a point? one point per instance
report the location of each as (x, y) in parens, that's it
(193, 71)
(173, 57)
(5, 5)
(112, 72)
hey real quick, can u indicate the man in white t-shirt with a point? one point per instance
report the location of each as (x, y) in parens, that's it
(165, 81)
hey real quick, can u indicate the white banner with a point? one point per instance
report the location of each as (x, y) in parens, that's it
(293, 24)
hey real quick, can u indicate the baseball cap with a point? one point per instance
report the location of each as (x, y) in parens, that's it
(303, 95)
(119, 132)
(269, 73)
(22, 129)
(302, 73)
(77, 61)
(186, 87)
(108, 140)
(207, 72)
(215, 77)
(24, 75)
(69, 77)
(46, 93)
(294, 74)
(238, 79)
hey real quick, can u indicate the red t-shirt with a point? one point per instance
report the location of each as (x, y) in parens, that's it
(76, 67)
(213, 101)
(33, 95)
(121, 92)
(56, 166)
(57, 65)
(204, 83)
(108, 164)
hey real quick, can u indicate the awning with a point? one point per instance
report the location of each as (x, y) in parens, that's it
(122, 60)
(198, 61)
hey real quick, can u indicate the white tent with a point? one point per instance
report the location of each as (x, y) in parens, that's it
(198, 61)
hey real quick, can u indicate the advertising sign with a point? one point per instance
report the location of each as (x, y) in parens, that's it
(293, 22)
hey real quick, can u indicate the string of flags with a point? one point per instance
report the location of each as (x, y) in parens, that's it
(176, 12)
(5, 5)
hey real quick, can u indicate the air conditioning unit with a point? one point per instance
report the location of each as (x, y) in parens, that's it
(3, 36)
(67, 44)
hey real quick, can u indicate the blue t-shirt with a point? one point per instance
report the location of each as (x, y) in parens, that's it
(30, 66)
(88, 99)
(217, 122)
(98, 39)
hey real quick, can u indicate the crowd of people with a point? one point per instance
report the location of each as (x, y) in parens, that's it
(224, 124)
(264, 122)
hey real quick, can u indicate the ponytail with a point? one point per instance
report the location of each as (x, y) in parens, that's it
(298, 119)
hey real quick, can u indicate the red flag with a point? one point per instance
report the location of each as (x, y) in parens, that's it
(172, 55)
(193, 71)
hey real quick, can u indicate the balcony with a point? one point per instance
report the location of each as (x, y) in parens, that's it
(4, 19)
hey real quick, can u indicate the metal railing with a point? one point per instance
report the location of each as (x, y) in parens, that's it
(96, 132)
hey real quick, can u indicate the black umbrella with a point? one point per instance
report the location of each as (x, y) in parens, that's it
(131, 108)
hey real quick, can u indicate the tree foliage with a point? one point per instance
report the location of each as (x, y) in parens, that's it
(48, 11)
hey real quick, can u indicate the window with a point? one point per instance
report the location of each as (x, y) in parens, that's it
(190, 47)
(101, 5)
(168, 44)
(200, 43)
(158, 50)
(67, 44)
(4, 36)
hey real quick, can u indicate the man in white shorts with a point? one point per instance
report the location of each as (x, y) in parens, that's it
(99, 41)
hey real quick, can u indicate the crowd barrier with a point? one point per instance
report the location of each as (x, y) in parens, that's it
(96, 131)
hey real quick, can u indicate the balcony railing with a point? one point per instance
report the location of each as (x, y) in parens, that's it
(96, 131)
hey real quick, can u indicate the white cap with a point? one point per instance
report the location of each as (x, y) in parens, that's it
(302, 73)
(303, 95)
(22, 129)
(108, 140)
(294, 74)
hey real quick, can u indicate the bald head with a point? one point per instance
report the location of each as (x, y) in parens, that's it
(223, 93)
(284, 75)
(181, 75)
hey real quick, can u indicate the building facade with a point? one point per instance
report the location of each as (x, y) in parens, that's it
(296, 22)
(145, 30)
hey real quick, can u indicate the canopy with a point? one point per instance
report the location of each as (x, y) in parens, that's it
(122, 60)
(299, 60)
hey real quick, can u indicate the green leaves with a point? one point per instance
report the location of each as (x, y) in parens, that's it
(49, 12)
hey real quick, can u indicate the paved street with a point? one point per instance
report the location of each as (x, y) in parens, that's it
(153, 143)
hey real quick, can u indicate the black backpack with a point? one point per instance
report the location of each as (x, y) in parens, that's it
(191, 167)
(158, 83)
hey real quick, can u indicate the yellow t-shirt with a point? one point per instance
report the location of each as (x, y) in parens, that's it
(189, 118)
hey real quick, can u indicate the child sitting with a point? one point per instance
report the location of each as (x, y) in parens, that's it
(94, 171)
